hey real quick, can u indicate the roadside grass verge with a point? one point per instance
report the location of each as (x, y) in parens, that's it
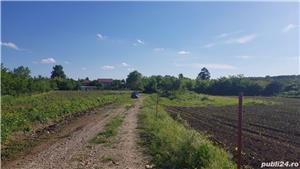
(187, 98)
(174, 146)
(110, 131)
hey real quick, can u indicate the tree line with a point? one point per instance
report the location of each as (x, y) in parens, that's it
(115, 85)
(232, 85)
(19, 81)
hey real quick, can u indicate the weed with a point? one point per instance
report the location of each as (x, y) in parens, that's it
(106, 159)
(110, 131)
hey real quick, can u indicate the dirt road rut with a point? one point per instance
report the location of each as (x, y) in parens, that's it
(74, 150)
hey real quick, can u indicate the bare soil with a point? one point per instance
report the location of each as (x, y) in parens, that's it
(270, 132)
(70, 147)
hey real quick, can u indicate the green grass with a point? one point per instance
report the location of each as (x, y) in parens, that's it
(110, 131)
(174, 146)
(21, 113)
(195, 99)
(106, 159)
(17, 147)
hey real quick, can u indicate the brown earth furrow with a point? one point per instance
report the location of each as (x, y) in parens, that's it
(263, 139)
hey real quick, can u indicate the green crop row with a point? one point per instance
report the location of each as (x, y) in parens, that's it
(20, 113)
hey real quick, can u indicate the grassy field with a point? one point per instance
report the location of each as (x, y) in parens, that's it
(22, 113)
(174, 145)
(194, 99)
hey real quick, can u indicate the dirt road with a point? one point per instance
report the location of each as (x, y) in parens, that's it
(72, 147)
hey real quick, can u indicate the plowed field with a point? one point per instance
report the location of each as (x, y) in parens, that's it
(270, 132)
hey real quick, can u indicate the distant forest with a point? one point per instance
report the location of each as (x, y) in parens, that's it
(19, 81)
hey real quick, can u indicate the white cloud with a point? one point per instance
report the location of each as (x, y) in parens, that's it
(100, 36)
(140, 41)
(289, 27)
(107, 67)
(224, 35)
(244, 57)
(243, 39)
(130, 69)
(48, 61)
(158, 49)
(10, 45)
(83, 68)
(208, 65)
(182, 52)
(125, 64)
(209, 45)
(66, 62)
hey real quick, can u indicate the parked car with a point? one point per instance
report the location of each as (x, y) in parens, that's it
(135, 94)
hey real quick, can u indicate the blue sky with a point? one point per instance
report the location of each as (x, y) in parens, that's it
(110, 39)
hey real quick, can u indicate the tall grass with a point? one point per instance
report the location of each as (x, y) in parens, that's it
(174, 146)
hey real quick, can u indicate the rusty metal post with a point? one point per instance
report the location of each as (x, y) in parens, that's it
(156, 106)
(240, 114)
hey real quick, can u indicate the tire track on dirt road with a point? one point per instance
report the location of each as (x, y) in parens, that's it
(124, 153)
(61, 154)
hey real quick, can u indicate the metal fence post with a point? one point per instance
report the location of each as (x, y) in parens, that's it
(240, 114)
(156, 106)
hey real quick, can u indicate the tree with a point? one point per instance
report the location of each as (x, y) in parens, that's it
(7, 81)
(169, 85)
(97, 84)
(190, 84)
(204, 74)
(273, 88)
(134, 81)
(58, 72)
(123, 84)
(180, 76)
(202, 86)
(21, 77)
(22, 71)
(66, 84)
(150, 84)
(116, 84)
(40, 84)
